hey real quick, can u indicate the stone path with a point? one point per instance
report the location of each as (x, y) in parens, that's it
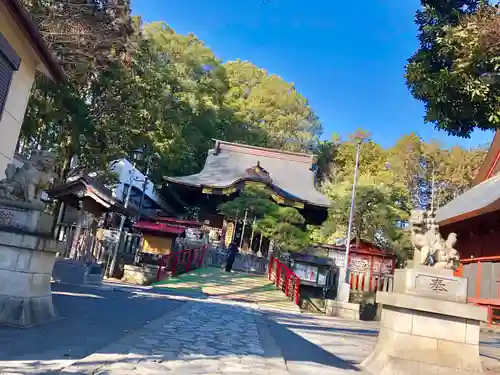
(316, 344)
(241, 287)
(202, 338)
(214, 335)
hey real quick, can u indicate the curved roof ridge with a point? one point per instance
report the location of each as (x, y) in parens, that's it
(270, 150)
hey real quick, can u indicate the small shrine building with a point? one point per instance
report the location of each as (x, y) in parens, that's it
(369, 265)
(475, 217)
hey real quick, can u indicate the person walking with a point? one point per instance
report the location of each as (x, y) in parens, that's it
(233, 250)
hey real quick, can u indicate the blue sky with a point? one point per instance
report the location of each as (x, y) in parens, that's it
(346, 57)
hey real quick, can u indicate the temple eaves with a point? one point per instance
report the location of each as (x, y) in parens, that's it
(229, 165)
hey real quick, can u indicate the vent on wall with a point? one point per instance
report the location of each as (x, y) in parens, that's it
(9, 62)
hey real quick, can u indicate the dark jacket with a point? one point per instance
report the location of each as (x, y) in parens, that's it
(232, 251)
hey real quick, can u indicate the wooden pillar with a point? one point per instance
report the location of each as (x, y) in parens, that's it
(76, 236)
(251, 236)
(259, 252)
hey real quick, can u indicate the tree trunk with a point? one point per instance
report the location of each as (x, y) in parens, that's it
(76, 236)
(59, 209)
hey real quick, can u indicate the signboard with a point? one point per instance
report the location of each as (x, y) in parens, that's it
(322, 278)
(229, 233)
(306, 272)
(338, 256)
(110, 235)
(157, 245)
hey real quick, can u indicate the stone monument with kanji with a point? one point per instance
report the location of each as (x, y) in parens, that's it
(426, 326)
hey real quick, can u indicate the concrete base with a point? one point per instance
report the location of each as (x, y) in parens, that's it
(341, 309)
(140, 275)
(27, 312)
(424, 281)
(26, 263)
(343, 291)
(425, 336)
(73, 271)
(25, 216)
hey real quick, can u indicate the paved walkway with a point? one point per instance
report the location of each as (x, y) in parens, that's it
(197, 334)
(234, 286)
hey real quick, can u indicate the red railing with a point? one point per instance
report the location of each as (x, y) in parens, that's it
(285, 279)
(181, 262)
(366, 282)
(493, 305)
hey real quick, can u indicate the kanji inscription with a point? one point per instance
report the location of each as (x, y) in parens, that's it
(438, 285)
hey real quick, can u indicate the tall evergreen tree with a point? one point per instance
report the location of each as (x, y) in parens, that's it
(449, 98)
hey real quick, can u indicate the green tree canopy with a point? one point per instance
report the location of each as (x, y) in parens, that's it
(380, 210)
(456, 47)
(392, 182)
(268, 102)
(284, 225)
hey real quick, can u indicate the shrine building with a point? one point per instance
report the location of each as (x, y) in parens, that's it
(475, 217)
(290, 177)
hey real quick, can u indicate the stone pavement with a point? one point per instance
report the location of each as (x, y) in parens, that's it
(317, 344)
(235, 286)
(203, 337)
(212, 335)
(91, 319)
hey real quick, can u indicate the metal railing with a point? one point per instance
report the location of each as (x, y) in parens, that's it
(244, 262)
(285, 279)
(180, 262)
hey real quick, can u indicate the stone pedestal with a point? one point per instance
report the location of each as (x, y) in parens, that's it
(426, 327)
(26, 259)
(140, 275)
(341, 307)
(25, 217)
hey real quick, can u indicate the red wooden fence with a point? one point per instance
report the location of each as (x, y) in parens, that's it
(182, 261)
(285, 279)
(367, 282)
(483, 276)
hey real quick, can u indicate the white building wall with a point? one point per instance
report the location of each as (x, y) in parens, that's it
(128, 174)
(17, 98)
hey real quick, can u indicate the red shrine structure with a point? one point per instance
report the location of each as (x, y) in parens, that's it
(475, 218)
(371, 267)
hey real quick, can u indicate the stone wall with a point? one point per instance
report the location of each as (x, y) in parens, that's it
(140, 275)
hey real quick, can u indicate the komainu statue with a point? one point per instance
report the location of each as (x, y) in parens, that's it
(27, 183)
(429, 248)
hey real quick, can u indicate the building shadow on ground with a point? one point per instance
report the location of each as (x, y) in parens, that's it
(94, 318)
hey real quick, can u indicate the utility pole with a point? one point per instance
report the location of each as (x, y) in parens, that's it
(150, 160)
(351, 212)
(112, 266)
(243, 229)
(143, 192)
(432, 188)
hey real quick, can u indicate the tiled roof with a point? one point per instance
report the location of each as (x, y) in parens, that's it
(20, 14)
(159, 227)
(477, 200)
(228, 163)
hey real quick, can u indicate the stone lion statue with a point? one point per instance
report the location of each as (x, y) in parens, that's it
(27, 183)
(429, 246)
